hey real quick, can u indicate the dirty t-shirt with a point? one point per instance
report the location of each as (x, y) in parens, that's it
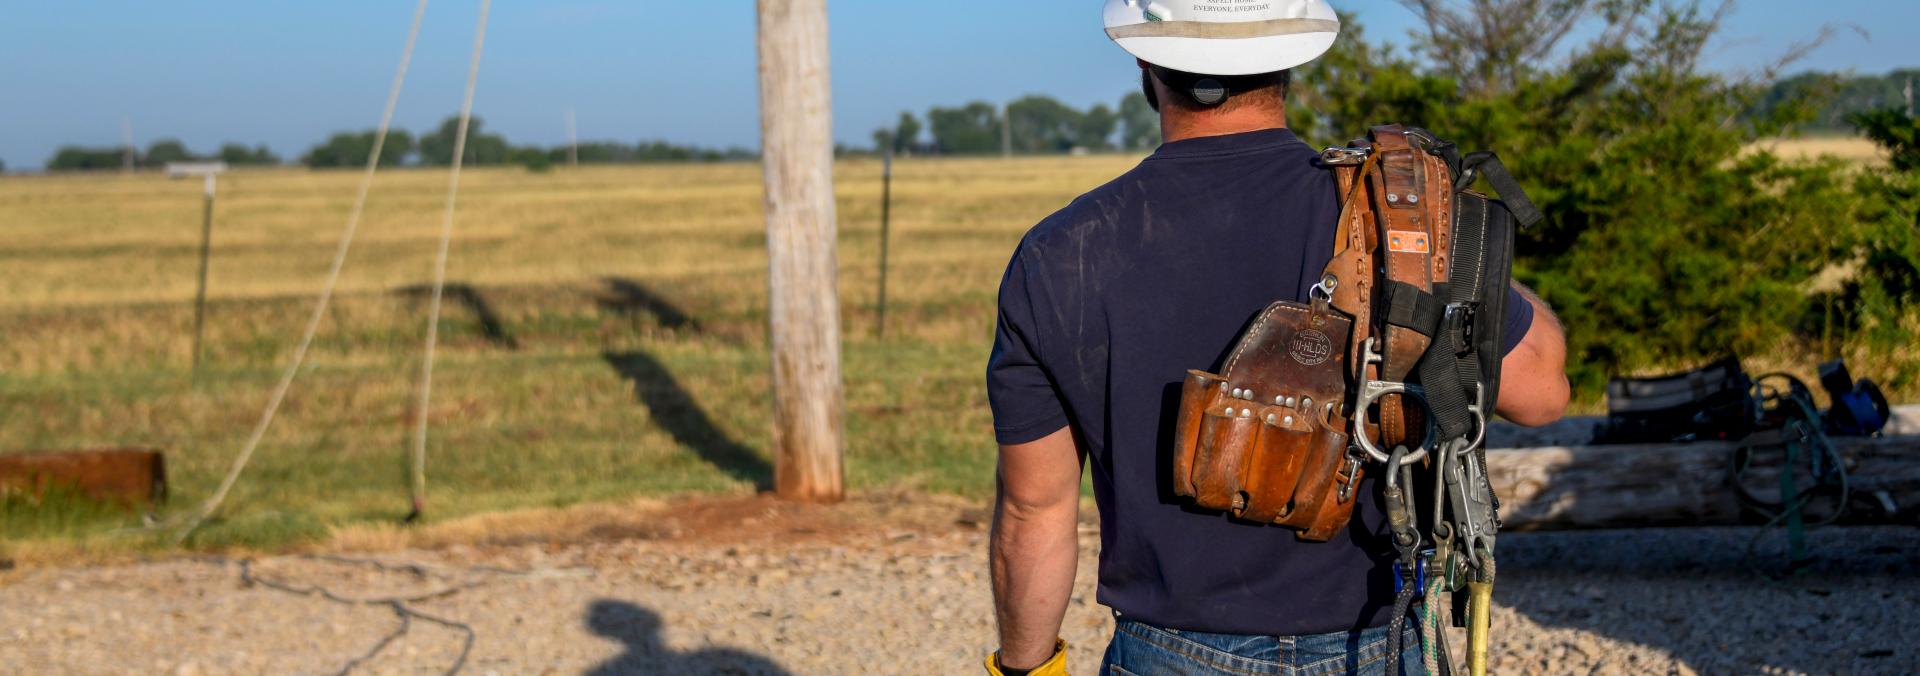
(1105, 307)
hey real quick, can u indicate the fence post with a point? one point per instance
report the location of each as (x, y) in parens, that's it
(886, 220)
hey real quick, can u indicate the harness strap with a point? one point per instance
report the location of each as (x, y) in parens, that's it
(1488, 164)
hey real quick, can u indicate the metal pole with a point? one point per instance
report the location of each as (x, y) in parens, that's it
(200, 297)
(886, 219)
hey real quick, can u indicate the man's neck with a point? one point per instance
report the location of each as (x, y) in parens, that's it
(1180, 124)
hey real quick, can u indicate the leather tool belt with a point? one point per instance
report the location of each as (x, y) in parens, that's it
(1313, 391)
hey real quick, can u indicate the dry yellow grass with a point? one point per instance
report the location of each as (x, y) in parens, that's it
(1844, 148)
(609, 342)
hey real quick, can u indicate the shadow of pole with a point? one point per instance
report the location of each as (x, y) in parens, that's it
(675, 411)
(639, 629)
(630, 297)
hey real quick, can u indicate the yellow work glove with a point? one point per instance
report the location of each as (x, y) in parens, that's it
(1054, 666)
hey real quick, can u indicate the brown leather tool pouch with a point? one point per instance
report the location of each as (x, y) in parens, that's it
(1266, 434)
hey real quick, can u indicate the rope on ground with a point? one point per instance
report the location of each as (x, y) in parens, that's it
(400, 604)
(193, 519)
(418, 485)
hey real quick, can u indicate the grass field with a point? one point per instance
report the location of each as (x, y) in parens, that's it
(604, 337)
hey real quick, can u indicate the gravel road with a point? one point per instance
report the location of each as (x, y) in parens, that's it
(788, 590)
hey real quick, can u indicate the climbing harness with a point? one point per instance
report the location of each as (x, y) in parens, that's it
(1392, 365)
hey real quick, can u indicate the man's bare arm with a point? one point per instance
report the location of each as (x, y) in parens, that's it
(1034, 545)
(1533, 377)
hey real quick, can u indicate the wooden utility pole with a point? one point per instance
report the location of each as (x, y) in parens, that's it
(796, 132)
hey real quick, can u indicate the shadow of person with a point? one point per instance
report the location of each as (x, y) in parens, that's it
(675, 411)
(639, 628)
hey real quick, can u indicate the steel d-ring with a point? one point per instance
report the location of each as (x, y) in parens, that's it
(1370, 392)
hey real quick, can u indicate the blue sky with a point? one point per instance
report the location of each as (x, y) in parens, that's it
(286, 73)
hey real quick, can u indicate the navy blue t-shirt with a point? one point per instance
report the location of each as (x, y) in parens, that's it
(1105, 306)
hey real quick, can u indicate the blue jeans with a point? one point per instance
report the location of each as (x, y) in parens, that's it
(1140, 649)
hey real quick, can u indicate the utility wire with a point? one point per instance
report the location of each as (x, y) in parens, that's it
(287, 377)
(418, 486)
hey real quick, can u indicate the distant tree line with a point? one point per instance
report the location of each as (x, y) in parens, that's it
(1841, 97)
(158, 154)
(351, 149)
(1032, 125)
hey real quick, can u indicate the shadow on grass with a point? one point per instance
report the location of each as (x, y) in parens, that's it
(676, 411)
(629, 297)
(491, 328)
(639, 628)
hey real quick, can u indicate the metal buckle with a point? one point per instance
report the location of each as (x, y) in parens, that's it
(1458, 321)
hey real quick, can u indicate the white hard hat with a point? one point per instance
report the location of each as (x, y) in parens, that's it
(1223, 37)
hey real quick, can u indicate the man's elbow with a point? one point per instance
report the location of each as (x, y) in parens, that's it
(1040, 479)
(1029, 503)
(1542, 403)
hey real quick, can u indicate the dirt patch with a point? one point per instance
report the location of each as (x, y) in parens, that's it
(885, 583)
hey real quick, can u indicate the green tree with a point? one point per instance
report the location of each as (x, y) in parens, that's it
(240, 155)
(534, 158)
(973, 129)
(1875, 304)
(1096, 128)
(1139, 124)
(349, 149)
(1667, 240)
(1042, 124)
(77, 158)
(167, 150)
(482, 148)
(906, 134)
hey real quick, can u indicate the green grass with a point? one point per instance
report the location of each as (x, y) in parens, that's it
(610, 340)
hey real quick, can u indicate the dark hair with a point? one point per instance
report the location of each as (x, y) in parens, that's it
(1235, 86)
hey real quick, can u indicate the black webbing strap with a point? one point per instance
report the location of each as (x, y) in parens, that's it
(1450, 362)
(1411, 308)
(1487, 164)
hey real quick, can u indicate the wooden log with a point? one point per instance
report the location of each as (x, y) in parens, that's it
(796, 125)
(134, 478)
(1634, 486)
(1580, 430)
